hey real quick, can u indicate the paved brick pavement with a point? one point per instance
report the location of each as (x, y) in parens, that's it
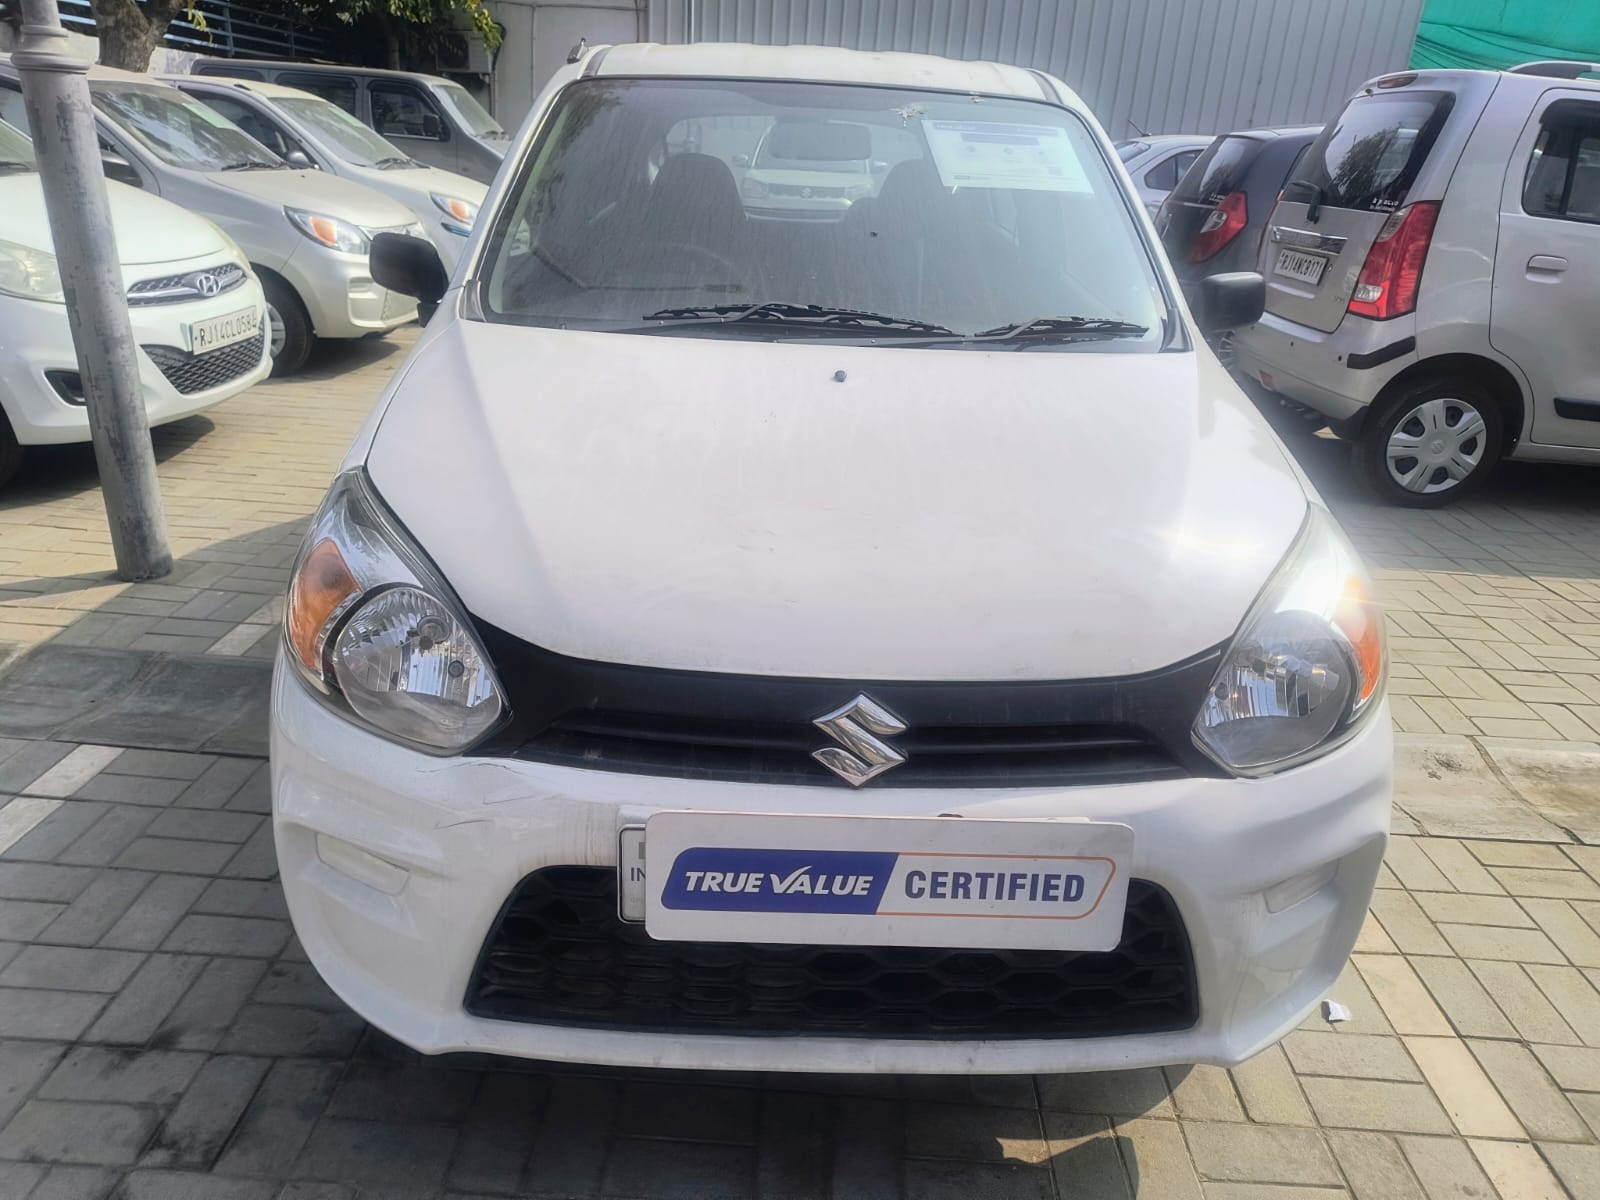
(163, 1038)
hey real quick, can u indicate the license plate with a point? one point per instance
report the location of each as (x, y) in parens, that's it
(1296, 264)
(878, 881)
(224, 331)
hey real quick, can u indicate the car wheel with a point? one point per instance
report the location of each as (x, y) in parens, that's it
(289, 327)
(1431, 444)
(10, 451)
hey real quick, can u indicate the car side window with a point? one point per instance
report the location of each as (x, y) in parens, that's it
(259, 126)
(12, 111)
(1563, 175)
(1187, 160)
(400, 110)
(1164, 175)
(333, 88)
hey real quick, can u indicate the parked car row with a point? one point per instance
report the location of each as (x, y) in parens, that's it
(243, 212)
(1432, 262)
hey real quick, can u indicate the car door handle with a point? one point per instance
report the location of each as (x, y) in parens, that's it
(1549, 263)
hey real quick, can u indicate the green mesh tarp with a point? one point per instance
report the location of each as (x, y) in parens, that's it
(1496, 34)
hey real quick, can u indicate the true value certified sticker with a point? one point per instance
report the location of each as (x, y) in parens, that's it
(886, 881)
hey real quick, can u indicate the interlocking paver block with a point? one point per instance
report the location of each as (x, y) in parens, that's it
(1465, 1002)
(1353, 1055)
(1461, 1086)
(1532, 1095)
(70, 1132)
(1114, 1093)
(1375, 1104)
(1374, 1166)
(1517, 1170)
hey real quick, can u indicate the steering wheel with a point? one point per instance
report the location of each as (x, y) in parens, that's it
(705, 255)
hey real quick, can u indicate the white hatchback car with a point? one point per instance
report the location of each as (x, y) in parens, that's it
(197, 312)
(890, 643)
(1158, 164)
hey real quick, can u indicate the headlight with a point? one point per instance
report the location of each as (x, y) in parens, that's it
(31, 274)
(462, 210)
(329, 231)
(1306, 665)
(375, 631)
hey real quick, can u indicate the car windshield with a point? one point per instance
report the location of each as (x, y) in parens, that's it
(181, 131)
(473, 116)
(642, 209)
(16, 151)
(345, 136)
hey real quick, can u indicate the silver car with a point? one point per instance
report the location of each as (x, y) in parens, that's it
(308, 131)
(305, 233)
(1157, 163)
(1433, 277)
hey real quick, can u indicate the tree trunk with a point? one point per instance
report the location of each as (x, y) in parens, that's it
(391, 41)
(130, 33)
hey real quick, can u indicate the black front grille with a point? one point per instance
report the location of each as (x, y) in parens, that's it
(759, 729)
(190, 373)
(559, 955)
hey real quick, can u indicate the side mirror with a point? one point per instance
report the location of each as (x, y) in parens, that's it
(411, 266)
(741, 160)
(299, 158)
(432, 127)
(118, 168)
(1230, 300)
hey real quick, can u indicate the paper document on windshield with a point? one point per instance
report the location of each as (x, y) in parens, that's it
(994, 154)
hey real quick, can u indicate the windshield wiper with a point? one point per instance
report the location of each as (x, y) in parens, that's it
(780, 313)
(251, 164)
(1069, 328)
(393, 162)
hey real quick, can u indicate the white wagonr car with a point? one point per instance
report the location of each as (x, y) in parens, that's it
(885, 643)
(1433, 277)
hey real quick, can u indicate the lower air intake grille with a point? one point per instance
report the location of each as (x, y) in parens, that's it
(190, 373)
(559, 955)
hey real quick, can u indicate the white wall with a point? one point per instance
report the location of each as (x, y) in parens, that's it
(540, 33)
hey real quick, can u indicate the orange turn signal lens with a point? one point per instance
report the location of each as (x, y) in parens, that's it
(324, 231)
(320, 588)
(458, 209)
(1361, 622)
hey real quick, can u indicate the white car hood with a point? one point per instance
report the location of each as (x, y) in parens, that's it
(729, 506)
(148, 229)
(319, 192)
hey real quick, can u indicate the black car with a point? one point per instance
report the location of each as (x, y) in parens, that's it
(1213, 220)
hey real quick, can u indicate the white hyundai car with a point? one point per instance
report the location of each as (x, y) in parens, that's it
(197, 312)
(890, 643)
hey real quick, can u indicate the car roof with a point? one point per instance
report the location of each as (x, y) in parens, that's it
(280, 64)
(272, 91)
(1446, 77)
(821, 64)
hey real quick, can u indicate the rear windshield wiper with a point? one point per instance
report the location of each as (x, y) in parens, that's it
(778, 313)
(1066, 328)
(1314, 200)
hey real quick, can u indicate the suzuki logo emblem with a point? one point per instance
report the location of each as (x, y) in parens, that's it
(859, 728)
(207, 284)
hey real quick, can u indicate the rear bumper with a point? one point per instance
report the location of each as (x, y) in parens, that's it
(1315, 368)
(396, 866)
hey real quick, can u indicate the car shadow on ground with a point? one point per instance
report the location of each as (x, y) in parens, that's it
(60, 472)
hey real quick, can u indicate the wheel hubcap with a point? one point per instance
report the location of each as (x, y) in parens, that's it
(1436, 445)
(278, 336)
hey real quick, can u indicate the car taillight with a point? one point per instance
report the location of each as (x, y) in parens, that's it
(1389, 278)
(1223, 224)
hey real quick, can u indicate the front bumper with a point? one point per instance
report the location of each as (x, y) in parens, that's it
(341, 296)
(396, 865)
(35, 338)
(1315, 368)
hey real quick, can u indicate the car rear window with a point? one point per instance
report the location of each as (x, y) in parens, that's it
(1369, 158)
(1219, 170)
